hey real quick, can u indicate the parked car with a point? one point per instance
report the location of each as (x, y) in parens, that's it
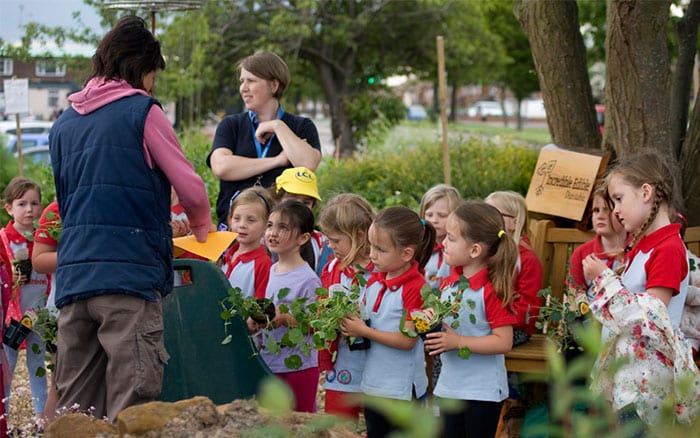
(417, 112)
(28, 141)
(9, 127)
(36, 154)
(484, 109)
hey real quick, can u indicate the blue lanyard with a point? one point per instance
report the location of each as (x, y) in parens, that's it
(262, 153)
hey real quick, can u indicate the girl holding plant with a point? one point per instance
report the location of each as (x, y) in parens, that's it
(289, 229)
(479, 250)
(246, 263)
(345, 221)
(22, 198)
(641, 309)
(400, 246)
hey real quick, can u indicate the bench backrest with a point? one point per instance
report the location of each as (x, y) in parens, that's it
(554, 247)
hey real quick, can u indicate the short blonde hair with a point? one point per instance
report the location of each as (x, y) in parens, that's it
(438, 192)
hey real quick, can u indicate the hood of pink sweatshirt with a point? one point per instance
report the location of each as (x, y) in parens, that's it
(99, 92)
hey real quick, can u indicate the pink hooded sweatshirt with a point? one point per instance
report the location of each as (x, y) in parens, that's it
(160, 148)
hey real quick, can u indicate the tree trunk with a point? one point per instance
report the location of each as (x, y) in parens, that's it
(557, 47)
(333, 84)
(689, 162)
(519, 115)
(687, 33)
(637, 78)
(453, 103)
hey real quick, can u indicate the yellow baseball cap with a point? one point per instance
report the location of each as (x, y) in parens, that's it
(299, 181)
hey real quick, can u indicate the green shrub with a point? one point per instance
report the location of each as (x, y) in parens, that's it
(196, 145)
(401, 174)
(372, 115)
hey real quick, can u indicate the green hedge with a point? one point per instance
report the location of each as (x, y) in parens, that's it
(400, 175)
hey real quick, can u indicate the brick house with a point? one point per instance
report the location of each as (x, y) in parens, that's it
(50, 83)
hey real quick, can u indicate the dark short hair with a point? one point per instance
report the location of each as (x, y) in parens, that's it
(268, 66)
(128, 51)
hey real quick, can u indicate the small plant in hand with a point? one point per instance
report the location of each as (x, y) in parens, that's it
(321, 317)
(328, 312)
(558, 317)
(426, 322)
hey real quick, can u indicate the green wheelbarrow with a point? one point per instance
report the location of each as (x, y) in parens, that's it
(199, 364)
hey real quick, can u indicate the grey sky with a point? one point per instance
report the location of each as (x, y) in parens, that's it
(15, 13)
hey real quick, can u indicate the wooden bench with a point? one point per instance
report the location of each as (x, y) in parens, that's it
(554, 247)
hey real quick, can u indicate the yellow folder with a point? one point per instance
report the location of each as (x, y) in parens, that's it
(212, 249)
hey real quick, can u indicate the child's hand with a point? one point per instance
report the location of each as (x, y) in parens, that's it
(592, 267)
(180, 227)
(253, 326)
(439, 342)
(353, 326)
(429, 313)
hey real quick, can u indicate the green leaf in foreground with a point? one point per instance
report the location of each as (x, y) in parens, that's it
(275, 396)
(464, 352)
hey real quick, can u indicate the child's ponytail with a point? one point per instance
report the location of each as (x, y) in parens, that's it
(407, 229)
(483, 223)
(501, 267)
(425, 247)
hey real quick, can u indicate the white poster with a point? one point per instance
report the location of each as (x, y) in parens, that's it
(16, 96)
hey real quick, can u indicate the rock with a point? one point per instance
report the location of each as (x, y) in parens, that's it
(79, 426)
(153, 416)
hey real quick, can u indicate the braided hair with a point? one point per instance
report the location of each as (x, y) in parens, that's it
(647, 168)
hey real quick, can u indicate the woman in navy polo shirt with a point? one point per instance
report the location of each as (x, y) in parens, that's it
(253, 148)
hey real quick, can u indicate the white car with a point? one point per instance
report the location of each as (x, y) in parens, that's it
(484, 109)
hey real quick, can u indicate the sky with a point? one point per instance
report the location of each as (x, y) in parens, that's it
(15, 13)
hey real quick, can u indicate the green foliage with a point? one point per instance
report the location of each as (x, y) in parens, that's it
(372, 115)
(400, 174)
(196, 146)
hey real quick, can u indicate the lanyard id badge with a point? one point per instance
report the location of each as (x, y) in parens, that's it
(262, 152)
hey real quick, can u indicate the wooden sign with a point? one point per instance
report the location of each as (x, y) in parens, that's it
(562, 182)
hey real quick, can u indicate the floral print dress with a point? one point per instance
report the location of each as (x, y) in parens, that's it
(657, 362)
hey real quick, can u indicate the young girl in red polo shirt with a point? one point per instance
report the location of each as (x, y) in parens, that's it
(400, 245)
(478, 249)
(246, 263)
(608, 245)
(22, 200)
(528, 275)
(640, 310)
(435, 206)
(345, 221)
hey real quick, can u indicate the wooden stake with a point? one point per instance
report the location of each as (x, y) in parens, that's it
(443, 110)
(19, 146)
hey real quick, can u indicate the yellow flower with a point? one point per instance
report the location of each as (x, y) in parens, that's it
(583, 308)
(422, 325)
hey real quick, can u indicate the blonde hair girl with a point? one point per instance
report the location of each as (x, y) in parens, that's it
(246, 263)
(528, 276)
(435, 206)
(345, 221)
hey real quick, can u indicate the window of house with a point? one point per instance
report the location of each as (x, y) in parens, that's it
(5, 67)
(50, 69)
(53, 98)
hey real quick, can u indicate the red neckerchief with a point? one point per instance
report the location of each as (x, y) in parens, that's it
(241, 258)
(439, 248)
(476, 281)
(394, 284)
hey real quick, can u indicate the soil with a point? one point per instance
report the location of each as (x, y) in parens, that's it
(233, 418)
